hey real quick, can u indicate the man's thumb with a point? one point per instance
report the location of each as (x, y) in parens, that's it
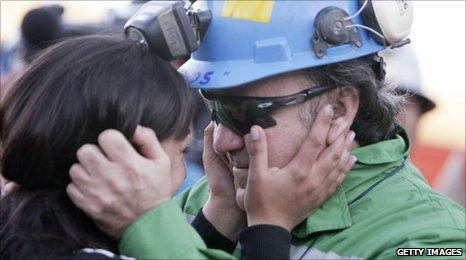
(148, 143)
(256, 143)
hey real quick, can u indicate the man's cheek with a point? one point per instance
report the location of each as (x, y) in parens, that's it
(279, 155)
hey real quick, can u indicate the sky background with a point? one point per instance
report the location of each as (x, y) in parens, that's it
(438, 37)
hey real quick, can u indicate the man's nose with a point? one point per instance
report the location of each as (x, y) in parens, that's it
(225, 140)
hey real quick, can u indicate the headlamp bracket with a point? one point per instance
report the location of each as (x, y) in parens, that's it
(331, 29)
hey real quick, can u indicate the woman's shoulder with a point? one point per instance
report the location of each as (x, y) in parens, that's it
(95, 253)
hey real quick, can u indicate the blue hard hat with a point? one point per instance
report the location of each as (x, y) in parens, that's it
(250, 40)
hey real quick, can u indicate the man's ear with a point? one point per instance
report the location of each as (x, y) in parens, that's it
(345, 107)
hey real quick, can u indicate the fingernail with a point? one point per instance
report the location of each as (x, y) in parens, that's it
(351, 136)
(255, 135)
(328, 110)
(353, 159)
(137, 130)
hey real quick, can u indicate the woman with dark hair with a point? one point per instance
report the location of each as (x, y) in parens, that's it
(73, 92)
(77, 93)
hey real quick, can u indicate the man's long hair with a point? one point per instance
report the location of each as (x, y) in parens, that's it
(379, 104)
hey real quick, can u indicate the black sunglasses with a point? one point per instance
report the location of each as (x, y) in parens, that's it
(240, 113)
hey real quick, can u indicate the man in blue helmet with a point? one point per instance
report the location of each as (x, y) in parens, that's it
(270, 66)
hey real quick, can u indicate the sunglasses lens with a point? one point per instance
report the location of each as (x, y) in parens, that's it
(240, 116)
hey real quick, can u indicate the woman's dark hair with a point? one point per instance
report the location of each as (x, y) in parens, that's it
(379, 104)
(71, 93)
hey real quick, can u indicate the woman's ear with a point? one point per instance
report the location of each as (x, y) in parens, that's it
(345, 107)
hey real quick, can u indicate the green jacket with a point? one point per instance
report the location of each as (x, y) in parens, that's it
(384, 204)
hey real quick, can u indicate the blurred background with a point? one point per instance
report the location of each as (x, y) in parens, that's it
(438, 45)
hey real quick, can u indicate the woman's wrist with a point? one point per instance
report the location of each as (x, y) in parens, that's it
(226, 218)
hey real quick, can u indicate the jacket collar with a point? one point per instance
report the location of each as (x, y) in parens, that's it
(373, 161)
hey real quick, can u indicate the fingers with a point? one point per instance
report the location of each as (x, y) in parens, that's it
(92, 159)
(330, 157)
(347, 161)
(346, 169)
(338, 170)
(148, 144)
(338, 128)
(8, 188)
(349, 164)
(339, 173)
(79, 176)
(77, 197)
(208, 152)
(315, 141)
(256, 144)
(117, 147)
(342, 173)
(209, 133)
(344, 156)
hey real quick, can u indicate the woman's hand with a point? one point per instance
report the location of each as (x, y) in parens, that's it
(285, 197)
(116, 185)
(220, 209)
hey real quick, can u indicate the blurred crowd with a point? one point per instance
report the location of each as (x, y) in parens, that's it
(158, 88)
(443, 168)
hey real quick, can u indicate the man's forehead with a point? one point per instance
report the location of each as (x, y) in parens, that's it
(279, 85)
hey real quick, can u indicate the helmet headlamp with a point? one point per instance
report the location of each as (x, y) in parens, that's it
(169, 28)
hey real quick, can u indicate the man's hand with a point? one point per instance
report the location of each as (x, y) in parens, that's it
(287, 196)
(116, 185)
(220, 209)
(6, 186)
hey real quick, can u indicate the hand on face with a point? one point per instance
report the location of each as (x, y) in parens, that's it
(286, 196)
(116, 185)
(220, 209)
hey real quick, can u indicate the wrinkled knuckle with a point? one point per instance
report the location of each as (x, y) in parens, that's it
(313, 184)
(104, 203)
(96, 212)
(316, 141)
(342, 167)
(300, 175)
(335, 157)
(110, 203)
(309, 192)
(113, 184)
(129, 169)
